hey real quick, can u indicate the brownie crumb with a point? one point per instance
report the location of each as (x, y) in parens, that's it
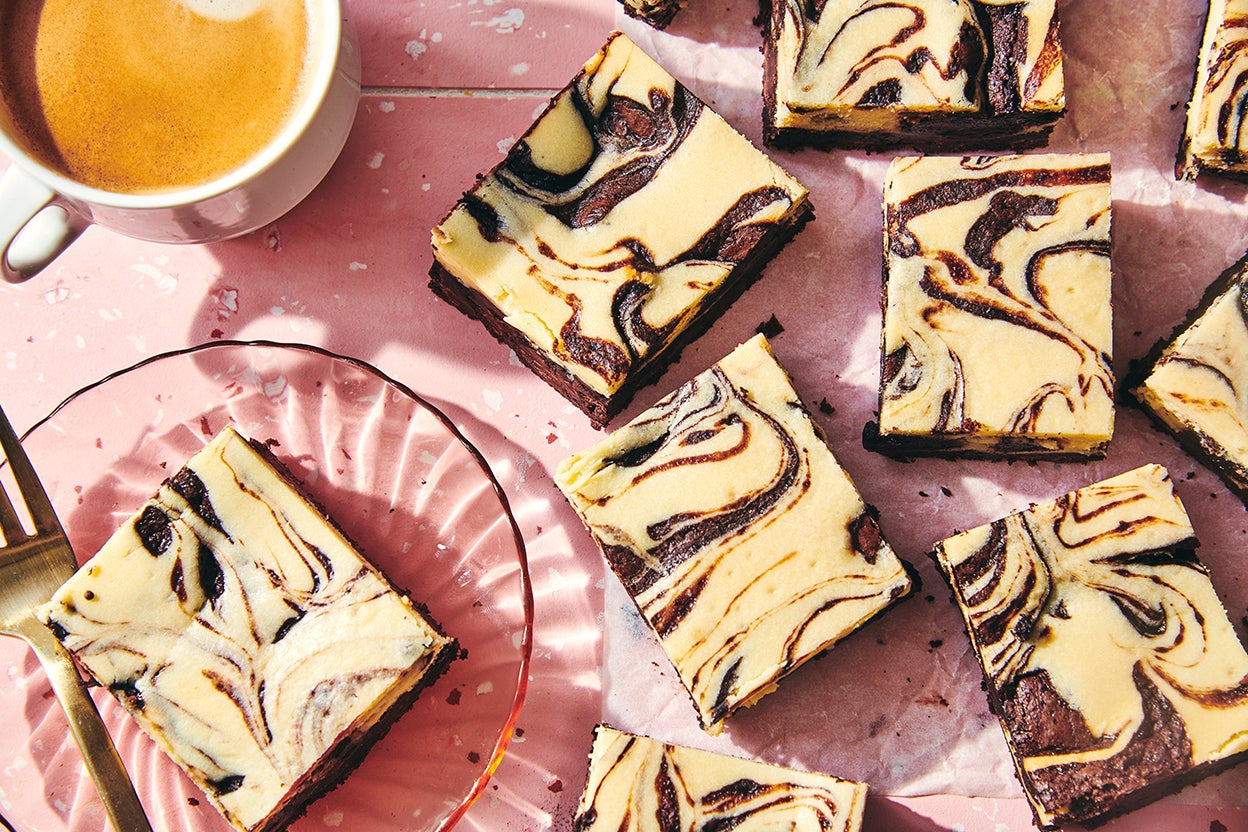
(452, 698)
(945, 490)
(555, 786)
(770, 328)
(1217, 826)
(935, 643)
(825, 408)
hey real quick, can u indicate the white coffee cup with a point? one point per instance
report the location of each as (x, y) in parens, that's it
(43, 211)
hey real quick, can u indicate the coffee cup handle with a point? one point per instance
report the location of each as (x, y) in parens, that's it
(34, 226)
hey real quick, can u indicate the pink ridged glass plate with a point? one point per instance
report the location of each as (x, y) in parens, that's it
(399, 478)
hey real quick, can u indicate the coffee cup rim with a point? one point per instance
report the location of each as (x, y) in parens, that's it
(325, 65)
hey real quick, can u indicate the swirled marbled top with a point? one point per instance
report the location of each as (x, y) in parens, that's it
(935, 72)
(745, 545)
(1108, 656)
(639, 784)
(243, 632)
(1215, 133)
(997, 329)
(1198, 386)
(616, 220)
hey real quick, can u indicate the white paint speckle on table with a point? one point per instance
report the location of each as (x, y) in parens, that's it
(506, 23)
(57, 294)
(226, 300)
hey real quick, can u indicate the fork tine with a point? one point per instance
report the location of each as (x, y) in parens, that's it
(10, 525)
(36, 499)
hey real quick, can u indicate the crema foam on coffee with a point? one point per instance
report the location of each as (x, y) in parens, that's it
(142, 96)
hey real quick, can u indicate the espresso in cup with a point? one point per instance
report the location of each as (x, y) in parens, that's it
(147, 96)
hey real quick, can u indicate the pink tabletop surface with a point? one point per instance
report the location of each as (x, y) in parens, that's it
(449, 84)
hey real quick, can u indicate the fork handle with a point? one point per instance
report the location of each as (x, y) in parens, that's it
(98, 752)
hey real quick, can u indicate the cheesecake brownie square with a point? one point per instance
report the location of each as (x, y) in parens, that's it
(1112, 665)
(1195, 383)
(745, 545)
(935, 75)
(658, 13)
(617, 228)
(641, 784)
(997, 321)
(246, 635)
(1213, 133)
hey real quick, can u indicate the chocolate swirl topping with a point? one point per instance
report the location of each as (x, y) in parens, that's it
(1107, 653)
(626, 212)
(1196, 385)
(254, 636)
(995, 241)
(890, 69)
(1215, 136)
(638, 139)
(923, 60)
(744, 545)
(153, 528)
(710, 410)
(641, 784)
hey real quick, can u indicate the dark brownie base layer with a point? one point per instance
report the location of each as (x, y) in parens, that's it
(944, 134)
(1142, 773)
(599, 408)
(1006, 449)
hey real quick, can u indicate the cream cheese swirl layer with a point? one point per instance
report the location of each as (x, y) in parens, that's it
(623, 209)
(1113, 663)
(744, 544)
(239, 628)
(1198, 386)
(1215, 134)
(997, 327)
(638, 784)
(868, 65)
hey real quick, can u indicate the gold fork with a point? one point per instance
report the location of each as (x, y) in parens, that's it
(32, 566)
